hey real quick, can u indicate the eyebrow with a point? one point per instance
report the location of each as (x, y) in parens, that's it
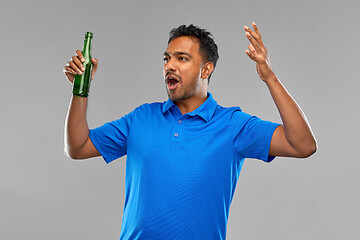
(178, 53)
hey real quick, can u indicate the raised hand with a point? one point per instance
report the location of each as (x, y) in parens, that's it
(258, 53)
(75, 66)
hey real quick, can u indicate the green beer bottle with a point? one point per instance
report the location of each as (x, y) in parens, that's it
(81, 84)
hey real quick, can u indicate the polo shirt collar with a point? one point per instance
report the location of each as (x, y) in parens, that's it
(205, 110)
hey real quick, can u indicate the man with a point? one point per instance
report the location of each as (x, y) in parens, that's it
(184, 155)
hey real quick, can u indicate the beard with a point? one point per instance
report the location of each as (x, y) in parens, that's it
(176, 97)
(182, 92)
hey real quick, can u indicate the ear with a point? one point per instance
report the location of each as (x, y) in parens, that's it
(207, 69)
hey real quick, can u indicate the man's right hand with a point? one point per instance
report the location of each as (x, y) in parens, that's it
(75, 66)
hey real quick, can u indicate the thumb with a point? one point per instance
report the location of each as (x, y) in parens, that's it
(95, 65)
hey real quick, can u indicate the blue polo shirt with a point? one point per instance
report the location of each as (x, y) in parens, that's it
(181, 170)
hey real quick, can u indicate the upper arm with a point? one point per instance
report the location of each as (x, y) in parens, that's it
(280, 146)
(252, 136)
(110, 140)
(88, 150)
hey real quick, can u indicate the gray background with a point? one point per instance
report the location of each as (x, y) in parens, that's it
(313, 46)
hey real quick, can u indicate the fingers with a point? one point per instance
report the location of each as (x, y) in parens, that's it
(252, 52)
(259, 38)
(256, 30)
(76, 62)
(95, 65)
(253, 42)
(75, 66)
(252, 49)
(251, 55)
(80, 55)
(69, 73)
(68, 69)
(256, 35)
(94, 62)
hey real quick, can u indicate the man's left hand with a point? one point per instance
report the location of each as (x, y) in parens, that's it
(259, 54)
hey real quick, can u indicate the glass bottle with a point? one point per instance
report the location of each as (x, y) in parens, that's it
(81, 84)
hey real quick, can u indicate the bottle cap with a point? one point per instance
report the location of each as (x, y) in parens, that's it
(89, 34)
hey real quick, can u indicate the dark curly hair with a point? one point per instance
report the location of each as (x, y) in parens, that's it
(208, 47)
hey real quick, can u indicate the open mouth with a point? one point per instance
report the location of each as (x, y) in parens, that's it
(172, 82)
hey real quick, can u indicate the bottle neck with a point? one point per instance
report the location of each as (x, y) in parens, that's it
(87, 48)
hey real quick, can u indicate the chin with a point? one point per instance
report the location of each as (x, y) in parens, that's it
(172, 97)
(177, 98)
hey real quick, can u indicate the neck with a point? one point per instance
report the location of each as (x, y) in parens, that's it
(192, 103)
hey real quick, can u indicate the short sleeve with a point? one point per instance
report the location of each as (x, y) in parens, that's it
(111, 138)
(252, 136)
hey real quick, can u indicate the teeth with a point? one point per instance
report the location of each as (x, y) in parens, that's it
(171, 78)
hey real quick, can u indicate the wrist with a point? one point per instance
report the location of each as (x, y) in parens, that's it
(271, 80)
(80, 96)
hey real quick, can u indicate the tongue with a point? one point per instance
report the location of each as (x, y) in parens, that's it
(172, 81)
(172, 85)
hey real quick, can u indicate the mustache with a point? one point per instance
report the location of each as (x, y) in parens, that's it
(172, 74)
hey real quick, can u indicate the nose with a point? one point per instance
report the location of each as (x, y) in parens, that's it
(170, 65)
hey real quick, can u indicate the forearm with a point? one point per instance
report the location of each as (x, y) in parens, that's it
(294, 138)
(296, 127)
(76, 127)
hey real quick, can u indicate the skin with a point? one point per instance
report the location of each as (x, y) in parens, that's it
(183, 59)
(294, 138)
(77, 141)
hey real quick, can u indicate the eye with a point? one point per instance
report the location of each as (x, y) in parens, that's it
(183, 59)
(166, 59)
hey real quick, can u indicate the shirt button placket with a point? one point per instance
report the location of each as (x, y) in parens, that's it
(177, 131)
(179, 122)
